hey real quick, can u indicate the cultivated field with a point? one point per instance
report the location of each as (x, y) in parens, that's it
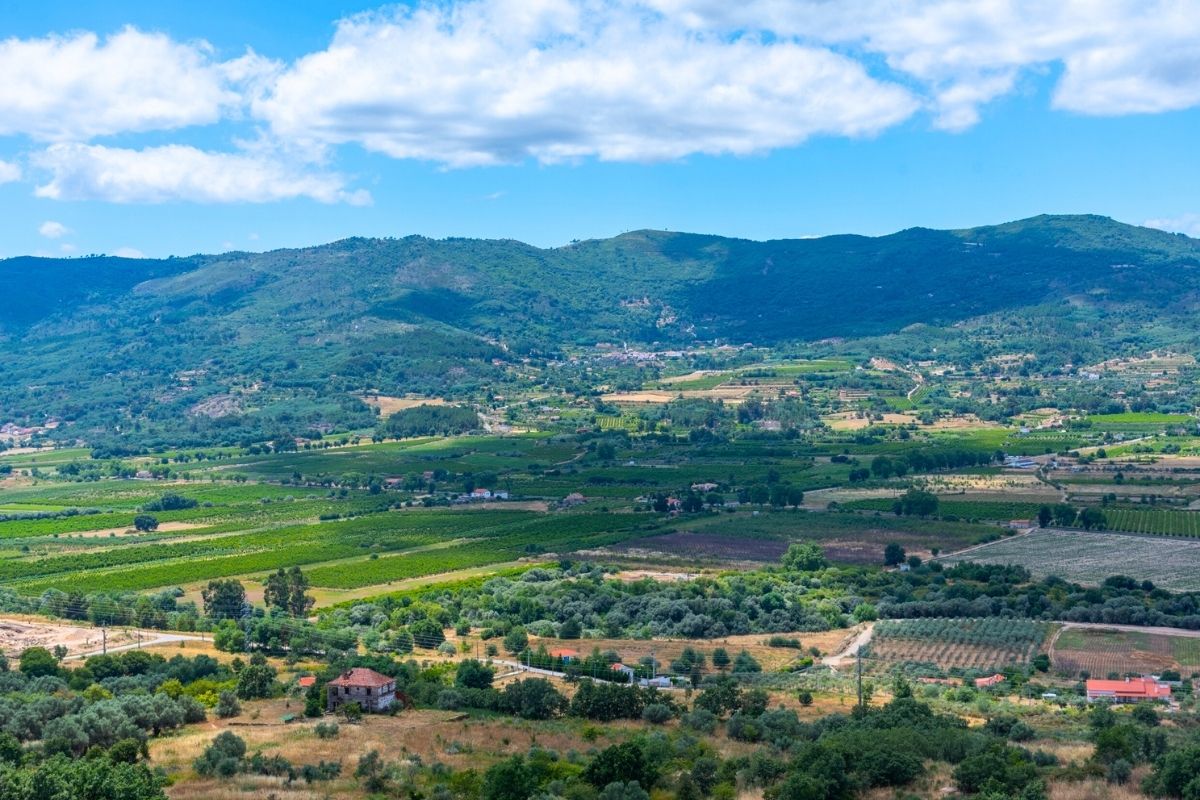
(1158, 521)
(1102, 652)
(1090, 557)
(956, 644)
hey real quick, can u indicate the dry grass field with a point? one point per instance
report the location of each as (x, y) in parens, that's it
(666, 650)
(390, 405)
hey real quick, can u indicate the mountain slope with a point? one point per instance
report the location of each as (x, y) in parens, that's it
(287, 337)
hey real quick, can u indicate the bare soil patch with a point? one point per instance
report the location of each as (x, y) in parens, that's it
(165, 527)
(17, 634)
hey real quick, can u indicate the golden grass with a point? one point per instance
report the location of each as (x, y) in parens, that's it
(666, 650)
(388, 405)
(1096, 789)
(449, 737)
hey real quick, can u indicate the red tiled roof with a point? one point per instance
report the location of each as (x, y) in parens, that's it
(361, 676)
(1130, 687)
(306, 681)
(564, 654)
(991, 680)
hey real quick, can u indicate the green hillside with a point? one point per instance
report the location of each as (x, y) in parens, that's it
(288, 337)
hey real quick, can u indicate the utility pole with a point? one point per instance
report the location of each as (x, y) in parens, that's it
(104, 640)
(858, 659)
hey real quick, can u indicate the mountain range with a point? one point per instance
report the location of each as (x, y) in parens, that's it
(120, 343)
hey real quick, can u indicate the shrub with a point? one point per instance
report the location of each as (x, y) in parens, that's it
(223, 756)
(228, 705)
(657, 714)
(700, 720)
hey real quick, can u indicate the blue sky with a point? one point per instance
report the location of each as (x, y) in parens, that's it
(174, 128)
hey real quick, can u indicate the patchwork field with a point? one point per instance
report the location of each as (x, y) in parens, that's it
(1089, 557)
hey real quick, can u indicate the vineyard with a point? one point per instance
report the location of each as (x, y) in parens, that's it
(1159, 521)
(957, 644)
(488, 537)
(1089, 557)
(1102, 652)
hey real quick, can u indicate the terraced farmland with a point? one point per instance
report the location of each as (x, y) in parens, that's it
(1089, 557)
(957, 644)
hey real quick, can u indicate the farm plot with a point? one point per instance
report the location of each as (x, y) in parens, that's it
(1160, 521)
(1089, 557)
(157, 565)
(846, 538)
(957, 644)
(1102, 652)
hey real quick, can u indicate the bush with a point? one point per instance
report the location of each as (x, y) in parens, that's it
(326, 730)
(145, 522)
(700, 720)
(657, 714)
(228, 705)
(223, 756)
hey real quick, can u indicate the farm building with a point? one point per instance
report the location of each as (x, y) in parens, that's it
(373, 691)
(306, 681)
(991, 680)
(565, 655)
(628, 672)
(1130, 690)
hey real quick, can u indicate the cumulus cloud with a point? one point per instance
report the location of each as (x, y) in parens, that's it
(555, 80)
(128, 252)
(9, 172)
(1116, 56)
(177, 172)
(478, 82)
(1188, 224)
(77, 87)
(53, 230)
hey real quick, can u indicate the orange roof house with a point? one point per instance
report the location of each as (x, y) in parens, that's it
(306, 681)
(371, 690)
(1130, 690)
(990, 680)
(565, 655)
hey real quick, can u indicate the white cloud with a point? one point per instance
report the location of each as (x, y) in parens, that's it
(1188, 224)
(53, 230)
(479, 82)
(128, 252)
(9, 172)
(1116, 56)
(176, 172)
(77, 87)
(66, 248)
(555, 80)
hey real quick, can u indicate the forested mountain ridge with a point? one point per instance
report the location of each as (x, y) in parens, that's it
(108, 339)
